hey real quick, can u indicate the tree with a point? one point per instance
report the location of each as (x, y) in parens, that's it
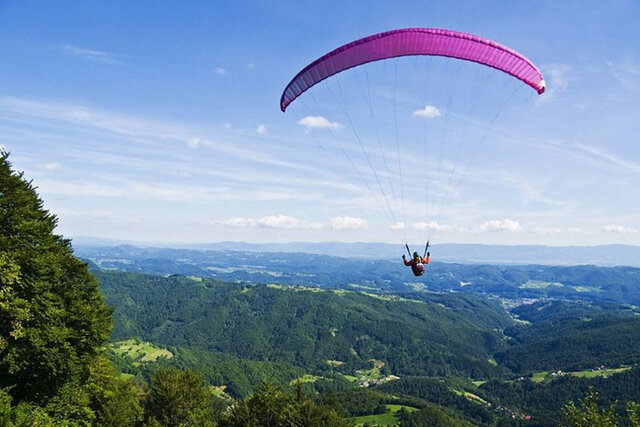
(633, 409)
(589, 413)
(52, 316)
(179, 398)
(270, 406)
(23, 414)
(115, 400)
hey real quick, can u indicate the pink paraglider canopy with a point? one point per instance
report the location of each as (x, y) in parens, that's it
(414, 41)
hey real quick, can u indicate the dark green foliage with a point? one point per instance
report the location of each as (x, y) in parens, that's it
(431, 416)
(240, 376)
(558, 312)
(483, 312)
(572, 336)
(358, 401)
(437, 391)
(633, 412)
(577, 347)
(71, 404)
(589, 414)
(331, 382)
(22, 415)
(52, 316)
(270, 406)
(114, 400)
(545, 401)
(179, 398)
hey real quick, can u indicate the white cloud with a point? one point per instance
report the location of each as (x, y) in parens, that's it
(319, 122)
(51, 166)
(559, 76)
(546, 230)
(558, 79)
(194, 142)
(227, 125)
(112, 187)
(430, 225)
(272, 221)
(280, 221)
(91, 54)
(615, 228)
(251, 66)
(262, 130)
(348, 222)
(497, 225)
(428, 112)
(238, 222)
(221, 71)
(397, 226)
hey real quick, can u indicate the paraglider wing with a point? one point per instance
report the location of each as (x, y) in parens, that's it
(414, 41)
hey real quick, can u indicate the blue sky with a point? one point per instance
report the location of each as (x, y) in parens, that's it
(160, 122)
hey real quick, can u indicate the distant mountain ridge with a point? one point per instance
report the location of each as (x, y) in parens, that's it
(603, 255)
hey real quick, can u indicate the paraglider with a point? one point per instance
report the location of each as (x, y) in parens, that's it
(417, 262)
(416, 42)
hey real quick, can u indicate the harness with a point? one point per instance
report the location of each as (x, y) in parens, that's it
(418, 269)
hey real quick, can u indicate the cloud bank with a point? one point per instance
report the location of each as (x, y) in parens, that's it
(318, 122)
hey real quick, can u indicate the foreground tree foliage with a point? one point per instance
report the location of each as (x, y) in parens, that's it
(431, 416)
(114, 400)
(179, 398)
(52, 316)
(270, 406)
(23, 414)
(589, 414)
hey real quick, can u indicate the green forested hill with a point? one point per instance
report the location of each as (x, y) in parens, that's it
(572, 336)
(239, 335)
(545, 400)
(237, 377)
(308, 327)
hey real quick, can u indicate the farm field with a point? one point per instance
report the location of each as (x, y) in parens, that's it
(139, 351)
(539, 377)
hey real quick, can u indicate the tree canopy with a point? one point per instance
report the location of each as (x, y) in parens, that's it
(53, 319)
